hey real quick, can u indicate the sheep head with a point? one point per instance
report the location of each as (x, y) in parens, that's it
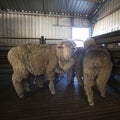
(89, 43)
(66, 49)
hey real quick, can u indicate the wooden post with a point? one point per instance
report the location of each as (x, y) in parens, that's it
(42, 40)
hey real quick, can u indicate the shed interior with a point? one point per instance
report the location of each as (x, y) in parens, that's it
(48, 22)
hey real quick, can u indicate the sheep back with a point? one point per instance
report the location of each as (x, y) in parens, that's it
(33, 58)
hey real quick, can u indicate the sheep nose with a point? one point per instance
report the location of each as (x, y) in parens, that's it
(67, 58)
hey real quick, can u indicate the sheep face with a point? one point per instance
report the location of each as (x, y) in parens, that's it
(68, 48)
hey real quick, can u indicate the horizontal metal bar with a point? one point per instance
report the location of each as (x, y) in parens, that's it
(113, 37)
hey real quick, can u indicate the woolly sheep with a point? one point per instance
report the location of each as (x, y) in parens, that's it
(97, 68)
(77, 69)
(112, 45)
(39, 59)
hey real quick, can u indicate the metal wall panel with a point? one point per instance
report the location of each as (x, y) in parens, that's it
(81, 22)
(34, 26)
(109, 7)
(108, 18)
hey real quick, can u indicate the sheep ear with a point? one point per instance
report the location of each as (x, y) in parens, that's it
(59, 45)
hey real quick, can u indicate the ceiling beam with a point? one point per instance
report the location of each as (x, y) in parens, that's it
(94, 0)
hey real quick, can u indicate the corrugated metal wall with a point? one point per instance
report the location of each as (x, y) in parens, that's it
(108, 18)
(34, 26)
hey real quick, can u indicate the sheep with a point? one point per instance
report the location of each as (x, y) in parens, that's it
(77, 69)
(97, 68)
(39, 59)
(112, 45)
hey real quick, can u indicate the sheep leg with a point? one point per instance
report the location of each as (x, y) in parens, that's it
(16, 80)
(89, 93)
(40, 81)
(88, 89)
(26, 86)
(102, 81)
(101, 88)
(70, 76)
(78, 76)
(51, 87)
(50, 74)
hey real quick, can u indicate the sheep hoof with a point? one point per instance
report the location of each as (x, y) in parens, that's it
(53, 92)
(28, 90)
(21, 96)
(41, 86)
(103, 95)
(91, 103)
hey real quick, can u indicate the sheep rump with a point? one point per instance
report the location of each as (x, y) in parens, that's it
(37, 60)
